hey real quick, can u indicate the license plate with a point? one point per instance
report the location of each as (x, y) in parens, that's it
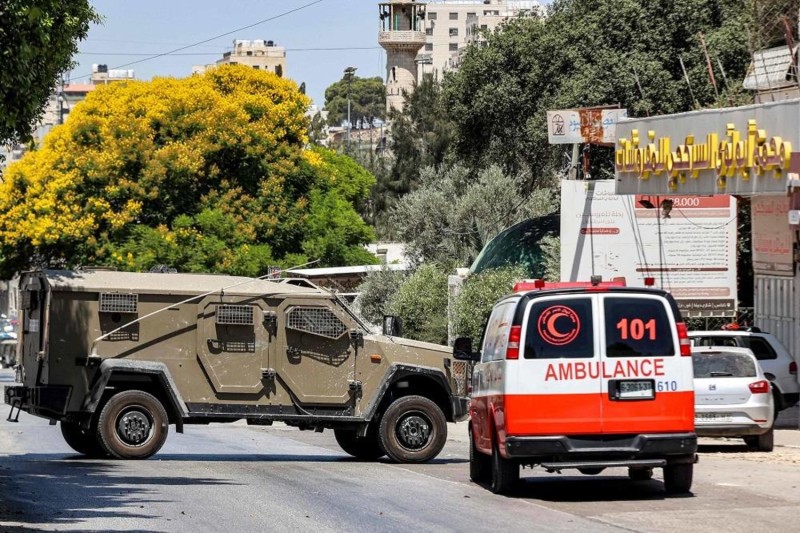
(636, 390)
(712, 417)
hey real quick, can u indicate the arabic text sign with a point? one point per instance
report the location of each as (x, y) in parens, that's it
(772, 236)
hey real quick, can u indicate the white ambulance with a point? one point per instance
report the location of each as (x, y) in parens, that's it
(582, 376)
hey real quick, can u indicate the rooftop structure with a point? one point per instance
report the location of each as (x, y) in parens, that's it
(402, 35)
(259, 54)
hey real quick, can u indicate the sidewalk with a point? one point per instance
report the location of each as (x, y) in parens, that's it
(788, 418)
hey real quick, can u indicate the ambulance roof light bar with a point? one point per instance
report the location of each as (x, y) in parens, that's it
(596, 283)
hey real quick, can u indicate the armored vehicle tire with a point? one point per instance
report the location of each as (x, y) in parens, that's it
(761, 443)
(480, 464)
(505, 473)
(413, 430)
(678, 478)
(367, 447)
(133, 425)
(83, 441)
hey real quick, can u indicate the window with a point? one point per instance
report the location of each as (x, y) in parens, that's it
(249, 53)
(453, 47)
(560, 329)
(112, 302)
(429, 47)
(235, 315)
(256, 67)
(428, 31)
(723, 365)
(495, 337)
(431, 16)
(760, 348)
(637, 327)
(453, 16)
(471, 15)
(453, 32)
(714, 341)
(315, 320)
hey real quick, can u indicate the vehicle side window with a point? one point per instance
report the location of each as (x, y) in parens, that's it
(637, 327)
(495, 337)
(315, 320)
(560, 329)
(760, 348)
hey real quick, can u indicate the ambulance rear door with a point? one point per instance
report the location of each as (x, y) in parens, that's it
(647, 385)
(551, 391)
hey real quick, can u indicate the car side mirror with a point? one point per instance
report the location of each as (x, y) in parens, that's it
(462, 350)
(392, 326)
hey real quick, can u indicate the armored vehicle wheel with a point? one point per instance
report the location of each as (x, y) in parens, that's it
(678, 478)
(133, 425)
(480, 464)
(413, 430)
(505, 473)
(367, 447)
(83, 441)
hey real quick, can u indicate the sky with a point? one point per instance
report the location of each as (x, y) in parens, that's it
(150, 27)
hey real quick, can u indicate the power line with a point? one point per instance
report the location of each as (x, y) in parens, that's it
(132, 54)
(155, 56)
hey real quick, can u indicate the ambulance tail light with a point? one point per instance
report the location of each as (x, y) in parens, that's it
(514, 335)
(760, 387)
(683, 340)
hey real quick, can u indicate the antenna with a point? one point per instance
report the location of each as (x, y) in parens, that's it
(689, 83)
(708, 64)
(641, 92)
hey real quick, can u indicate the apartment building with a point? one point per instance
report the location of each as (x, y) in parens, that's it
(450, 25)
(259, 54)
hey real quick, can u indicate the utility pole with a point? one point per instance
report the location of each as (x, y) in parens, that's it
(349, 72)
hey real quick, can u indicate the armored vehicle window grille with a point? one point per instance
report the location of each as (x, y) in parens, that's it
(235, 315)
(113, 302)
(315, 320)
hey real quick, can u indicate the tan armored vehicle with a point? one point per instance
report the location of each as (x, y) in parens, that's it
(118, 357)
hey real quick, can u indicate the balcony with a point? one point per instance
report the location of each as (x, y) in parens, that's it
(407, 38)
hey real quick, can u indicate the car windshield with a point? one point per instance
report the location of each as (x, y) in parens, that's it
(723, 364)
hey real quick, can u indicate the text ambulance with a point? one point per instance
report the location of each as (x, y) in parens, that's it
(587, 377)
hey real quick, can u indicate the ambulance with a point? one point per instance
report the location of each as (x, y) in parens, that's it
(583, 376)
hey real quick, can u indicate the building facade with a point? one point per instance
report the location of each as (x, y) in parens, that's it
(259, 54)
(452, 25)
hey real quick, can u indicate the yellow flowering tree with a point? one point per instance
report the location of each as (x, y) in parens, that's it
(207, 173)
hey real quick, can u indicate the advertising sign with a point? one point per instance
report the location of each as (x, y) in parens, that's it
(686, 243)
(588, 125)
(772, 236)
(744, 150)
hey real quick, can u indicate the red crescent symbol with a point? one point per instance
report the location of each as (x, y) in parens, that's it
(551, 325)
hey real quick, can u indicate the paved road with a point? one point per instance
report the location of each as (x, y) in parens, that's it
(240, 478)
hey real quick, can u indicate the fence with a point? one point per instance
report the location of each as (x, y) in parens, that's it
(745, 317)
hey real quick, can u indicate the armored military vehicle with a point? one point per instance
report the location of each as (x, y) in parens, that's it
(118, 357)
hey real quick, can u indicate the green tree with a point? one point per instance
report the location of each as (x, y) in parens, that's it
(376, 291)
(451, 216)
(207, 173)
(37, 41)
(477, 297)
(367, 101)
(588, 52)
(421, 303)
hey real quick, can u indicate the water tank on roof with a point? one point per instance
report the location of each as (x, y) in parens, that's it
(270, 43)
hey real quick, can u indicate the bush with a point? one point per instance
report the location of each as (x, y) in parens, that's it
(478, 296)
(376, 290)
(421, 302)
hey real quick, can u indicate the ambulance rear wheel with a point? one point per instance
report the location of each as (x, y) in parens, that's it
(413, 429)
(678, 478)
(83, 441)
(367, 447)
(480, 464)
(133, 425)
(505, 473)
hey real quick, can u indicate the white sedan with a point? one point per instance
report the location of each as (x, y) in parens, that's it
(732, 396)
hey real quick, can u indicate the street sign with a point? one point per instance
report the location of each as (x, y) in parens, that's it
(593, 125)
